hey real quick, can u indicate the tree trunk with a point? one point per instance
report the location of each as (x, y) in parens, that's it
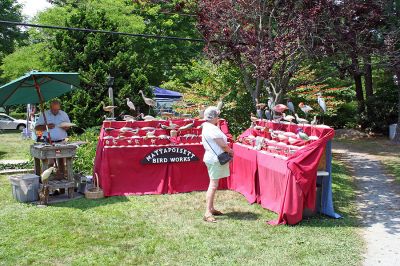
(358, 84)
(359, 93)
(369, 91)
(397, 134)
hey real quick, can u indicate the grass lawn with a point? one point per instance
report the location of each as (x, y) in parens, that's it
(12, 146)
(382, 148)
(168, 230)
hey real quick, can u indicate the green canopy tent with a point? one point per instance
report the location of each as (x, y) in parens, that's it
(38, 87)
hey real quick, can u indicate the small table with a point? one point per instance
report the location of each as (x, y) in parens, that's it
(63, 154)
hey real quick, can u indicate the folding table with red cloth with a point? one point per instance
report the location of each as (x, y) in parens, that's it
(120, 154)
(284, 184)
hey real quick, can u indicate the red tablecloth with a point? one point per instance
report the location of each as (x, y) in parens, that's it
(121, 172)
(284, 185)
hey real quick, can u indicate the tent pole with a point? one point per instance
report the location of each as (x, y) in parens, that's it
(42, 107)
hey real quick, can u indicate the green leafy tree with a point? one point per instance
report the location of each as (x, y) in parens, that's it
(96, 56)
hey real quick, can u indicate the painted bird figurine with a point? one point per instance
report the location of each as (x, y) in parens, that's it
(188, 126)
(321, 102)
(280, 108)
(268, 114)
(46, 174)
(305, 108)
(288, 118)
(302, 135)
(130, 104)
(290, 105)
(108, 108)
(150, 102)
(301, 120)
(253, 118)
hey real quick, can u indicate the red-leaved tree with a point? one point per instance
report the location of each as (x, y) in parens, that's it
(267, 40)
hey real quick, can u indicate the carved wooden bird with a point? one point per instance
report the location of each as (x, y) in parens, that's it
(305, 108)
(150, 102)
(108, 108)
(288, 118)
(301, 120)
(321, 102)
(302, 135)
(280, 108)
(46, 174)
(290, 105)
(130, 104)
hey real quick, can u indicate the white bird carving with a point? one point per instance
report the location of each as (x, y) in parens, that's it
(288, 118)
(321, 102)
(128, 118)
(108, 108)
(130, 104)
(220, 105)
(314, 121)
(147, 117)
(148, 101)
(305, 108)
(301, 120)
(190, 125)
(46, 173)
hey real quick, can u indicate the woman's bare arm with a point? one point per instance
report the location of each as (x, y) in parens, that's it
(224, 146)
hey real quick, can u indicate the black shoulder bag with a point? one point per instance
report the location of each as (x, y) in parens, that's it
(223, 158)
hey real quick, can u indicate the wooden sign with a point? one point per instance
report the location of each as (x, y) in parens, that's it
(169, 155)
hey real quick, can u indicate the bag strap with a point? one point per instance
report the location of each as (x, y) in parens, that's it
(210, 146)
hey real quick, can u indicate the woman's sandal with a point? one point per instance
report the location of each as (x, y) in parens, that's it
(209, 219)
(216, 213)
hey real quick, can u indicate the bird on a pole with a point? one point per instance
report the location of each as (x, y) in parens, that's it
(150, 102)
(108, 108)
(305, 108)
(130, 104)
(321, 102)
(290, 105)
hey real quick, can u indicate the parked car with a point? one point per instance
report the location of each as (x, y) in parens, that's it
(8, 122)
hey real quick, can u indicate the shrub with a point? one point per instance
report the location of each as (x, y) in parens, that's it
(18, 115)
(86, 153)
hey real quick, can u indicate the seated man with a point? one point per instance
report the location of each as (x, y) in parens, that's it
(55, 116)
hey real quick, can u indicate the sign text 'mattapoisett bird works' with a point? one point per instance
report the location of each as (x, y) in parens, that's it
(169, 155)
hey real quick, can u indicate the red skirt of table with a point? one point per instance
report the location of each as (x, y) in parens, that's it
(122, 173)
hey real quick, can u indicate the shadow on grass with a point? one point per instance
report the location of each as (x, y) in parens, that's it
(2, 154)
(242, 215)
(86, 204)
(343, 201)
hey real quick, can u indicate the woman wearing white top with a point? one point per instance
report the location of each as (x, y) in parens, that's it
(214, 142)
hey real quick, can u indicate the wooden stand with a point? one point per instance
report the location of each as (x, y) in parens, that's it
(62, 155)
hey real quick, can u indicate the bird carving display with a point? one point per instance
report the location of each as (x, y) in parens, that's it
(188, 126)
(301, 120)
(268, 114)
(280, 108)
(302, 135)
(130, 104)
(108, 108)
(290, 105)
(150, 102)
(288, 118)
(321, 102)
(46, 173)
(305, 108)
